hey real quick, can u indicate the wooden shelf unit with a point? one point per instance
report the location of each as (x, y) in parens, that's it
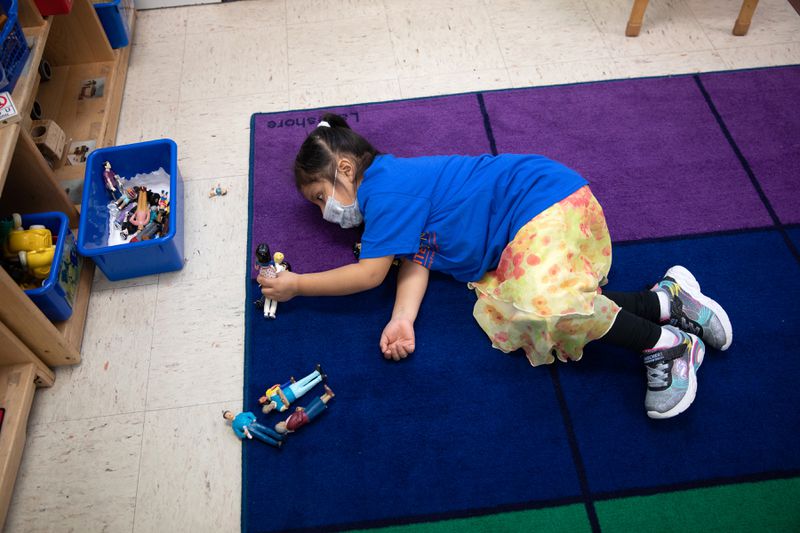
(76, 47)
(16, 396)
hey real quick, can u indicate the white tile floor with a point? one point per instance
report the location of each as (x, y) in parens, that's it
(132, 438)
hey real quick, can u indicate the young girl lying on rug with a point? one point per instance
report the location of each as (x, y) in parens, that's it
(527, 235)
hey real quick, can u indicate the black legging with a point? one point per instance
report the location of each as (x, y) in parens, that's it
(637, 324)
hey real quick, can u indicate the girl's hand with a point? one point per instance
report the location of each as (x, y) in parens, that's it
(282, 288)
(397, 339)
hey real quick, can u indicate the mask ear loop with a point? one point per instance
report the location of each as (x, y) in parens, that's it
(333, 191)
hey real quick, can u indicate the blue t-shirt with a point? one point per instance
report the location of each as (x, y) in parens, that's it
(456, 214)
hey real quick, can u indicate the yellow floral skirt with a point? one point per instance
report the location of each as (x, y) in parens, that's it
(545, 295)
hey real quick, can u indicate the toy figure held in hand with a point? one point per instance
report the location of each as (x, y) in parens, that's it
(269, 269)
(263, 261)
(245, 425)
(304, 415)
(281, 396)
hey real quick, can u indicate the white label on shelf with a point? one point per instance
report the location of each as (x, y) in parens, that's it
(8, 111)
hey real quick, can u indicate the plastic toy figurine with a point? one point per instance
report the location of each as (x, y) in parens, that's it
(271, 271)
(112, 182)
(245, 425)
(281, 396)
(263, 259)
(142, 213)
(122, 216)
(217, 191)
(146, 234)
(127, 196)
(128, 229)
(304, 415)
(165, 220)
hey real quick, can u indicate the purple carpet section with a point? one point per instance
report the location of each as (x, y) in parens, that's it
(654, 152)
(762, 112)
(651, 149)
(288, 223)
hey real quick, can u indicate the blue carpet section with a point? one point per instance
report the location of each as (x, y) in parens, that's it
(744, 420)
(459, 426)
(794, 234)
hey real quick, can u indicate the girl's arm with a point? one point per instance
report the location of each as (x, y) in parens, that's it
(412, 282)
(398, 339)
(349, 279)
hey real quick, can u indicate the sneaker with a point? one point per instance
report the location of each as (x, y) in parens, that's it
(672, 375)
(694, 312)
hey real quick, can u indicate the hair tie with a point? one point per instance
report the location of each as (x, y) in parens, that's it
(323, 124)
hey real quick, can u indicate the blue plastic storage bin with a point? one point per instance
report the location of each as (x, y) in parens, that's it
(140, 258)
(14, 49)
(115, 16)
(57, 294)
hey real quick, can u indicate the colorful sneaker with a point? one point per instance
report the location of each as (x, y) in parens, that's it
(694, 312)
(672, 375)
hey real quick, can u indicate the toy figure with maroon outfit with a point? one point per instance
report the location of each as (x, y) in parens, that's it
(304, 415)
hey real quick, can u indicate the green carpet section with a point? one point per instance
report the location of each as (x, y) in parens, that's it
(747, 507)
(568, 518)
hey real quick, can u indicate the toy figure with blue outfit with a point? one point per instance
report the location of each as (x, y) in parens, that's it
(281, 396)
(246, 425)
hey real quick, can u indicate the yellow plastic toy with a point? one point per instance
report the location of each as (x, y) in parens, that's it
(34, 238)
(33, 247)
(38, 261)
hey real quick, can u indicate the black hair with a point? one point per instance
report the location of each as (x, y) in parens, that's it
(316, 159)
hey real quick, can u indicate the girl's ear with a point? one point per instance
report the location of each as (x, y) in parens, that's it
(347, 169)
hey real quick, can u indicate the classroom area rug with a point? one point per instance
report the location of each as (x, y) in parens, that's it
(697, 170)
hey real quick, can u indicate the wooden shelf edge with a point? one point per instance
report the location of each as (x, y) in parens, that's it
(111, 122)
(16, 395)
(14, 352)
(30, 325)
(8, 144)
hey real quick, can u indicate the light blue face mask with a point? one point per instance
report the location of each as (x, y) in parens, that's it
(347, 216)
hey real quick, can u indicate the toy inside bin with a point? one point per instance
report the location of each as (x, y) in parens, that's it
(140, 258)
(56, 296)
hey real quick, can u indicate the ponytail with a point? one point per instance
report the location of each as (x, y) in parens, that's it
(316, 159)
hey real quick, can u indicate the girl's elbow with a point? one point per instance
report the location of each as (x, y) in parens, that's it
(374, 279)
